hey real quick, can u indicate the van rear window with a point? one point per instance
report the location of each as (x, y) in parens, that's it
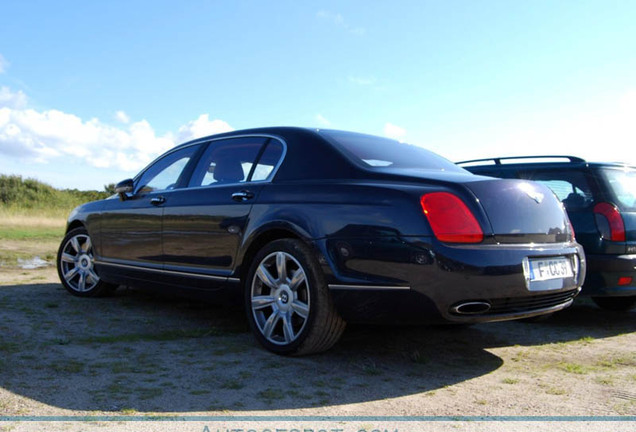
(622, 185)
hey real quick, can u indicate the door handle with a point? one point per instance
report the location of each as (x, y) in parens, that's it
(157, 200)
(243, 195)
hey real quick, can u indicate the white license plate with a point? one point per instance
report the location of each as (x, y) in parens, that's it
(550, 268)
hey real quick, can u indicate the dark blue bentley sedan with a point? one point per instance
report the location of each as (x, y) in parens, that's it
(313, 228)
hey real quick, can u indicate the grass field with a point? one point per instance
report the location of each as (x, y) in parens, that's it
(33, 218)
(27, 235)
(27, 225)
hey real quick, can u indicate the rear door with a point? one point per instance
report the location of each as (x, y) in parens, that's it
(203, 224)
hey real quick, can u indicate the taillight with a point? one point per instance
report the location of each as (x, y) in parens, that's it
(450, 219)
(625, 280)
(609, 222)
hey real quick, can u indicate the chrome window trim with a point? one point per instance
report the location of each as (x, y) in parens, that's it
(269, 177)
(161, 156)
(208, 141)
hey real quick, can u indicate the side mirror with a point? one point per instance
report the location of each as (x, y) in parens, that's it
(123, 188)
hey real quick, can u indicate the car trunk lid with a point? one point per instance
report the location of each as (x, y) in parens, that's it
(522, 211)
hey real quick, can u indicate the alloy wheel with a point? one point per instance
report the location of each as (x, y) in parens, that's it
(77, 264)
(280, 298)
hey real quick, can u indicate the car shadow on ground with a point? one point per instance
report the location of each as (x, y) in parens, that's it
(139, 352)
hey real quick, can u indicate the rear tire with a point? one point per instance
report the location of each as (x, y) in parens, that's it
(617, 304)
(75, 266)
(288, 304)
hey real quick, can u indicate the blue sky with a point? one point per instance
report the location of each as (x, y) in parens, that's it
(90, 92)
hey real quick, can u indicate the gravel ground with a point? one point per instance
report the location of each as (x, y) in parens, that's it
(124, 359)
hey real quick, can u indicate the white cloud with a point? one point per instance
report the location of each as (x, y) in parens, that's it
(51, 137)
(395, 132)
(322, 121)
(122, 117)
(201, 127)
(339, 21)
(4, 64)
(48, 136)
(10, 99)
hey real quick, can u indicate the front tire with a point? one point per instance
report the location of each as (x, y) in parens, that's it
(75, 266)
(616, 304)
(288, 304)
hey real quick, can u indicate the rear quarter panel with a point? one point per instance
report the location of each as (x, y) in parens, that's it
(382, 222)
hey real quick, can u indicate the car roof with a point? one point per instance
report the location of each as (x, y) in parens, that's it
(326, 161)
(272, 130)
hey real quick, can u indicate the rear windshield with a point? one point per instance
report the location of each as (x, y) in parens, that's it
(376, 152)
(622, 185)
(570, 186)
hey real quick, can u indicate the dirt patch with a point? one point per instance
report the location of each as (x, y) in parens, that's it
(137, 353)
(15, 253)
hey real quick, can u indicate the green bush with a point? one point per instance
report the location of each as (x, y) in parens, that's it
(17, 193)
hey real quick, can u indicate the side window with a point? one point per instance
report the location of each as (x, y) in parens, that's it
(165, 173)
(571, 187)
(227, 161)
(268, 161)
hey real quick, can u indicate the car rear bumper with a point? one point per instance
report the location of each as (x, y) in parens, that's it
(409, 280)
(604, 275)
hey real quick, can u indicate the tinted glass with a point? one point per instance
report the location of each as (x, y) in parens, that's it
(268, 161)
(570, 186)
(165, 173)
(622, 185)
(377, 152)
(227, 161)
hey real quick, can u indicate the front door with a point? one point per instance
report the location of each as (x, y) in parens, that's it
(130, 229)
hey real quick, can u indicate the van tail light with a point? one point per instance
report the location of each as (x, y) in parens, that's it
(609, 222)
(451, 220)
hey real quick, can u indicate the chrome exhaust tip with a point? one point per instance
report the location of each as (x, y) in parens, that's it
(471, 308)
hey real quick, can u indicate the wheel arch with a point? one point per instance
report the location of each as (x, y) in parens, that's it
(262, 237)
(288, 314)
(73, 225)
